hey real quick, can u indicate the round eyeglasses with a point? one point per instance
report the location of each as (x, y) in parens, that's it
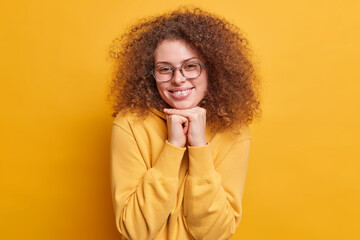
(165, 72)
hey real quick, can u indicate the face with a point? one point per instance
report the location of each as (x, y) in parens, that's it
(179, 92)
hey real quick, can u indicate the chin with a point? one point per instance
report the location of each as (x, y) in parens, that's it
(182, 106)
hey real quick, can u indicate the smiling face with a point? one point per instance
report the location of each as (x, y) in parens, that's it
(179, 92)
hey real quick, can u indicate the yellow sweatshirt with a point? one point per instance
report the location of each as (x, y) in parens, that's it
(161, 191)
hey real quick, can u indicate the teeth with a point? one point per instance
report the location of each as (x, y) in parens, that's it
(182, 92)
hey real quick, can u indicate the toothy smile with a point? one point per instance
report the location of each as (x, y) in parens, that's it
(181, 92)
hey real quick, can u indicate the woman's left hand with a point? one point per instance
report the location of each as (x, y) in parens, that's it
(197, 124)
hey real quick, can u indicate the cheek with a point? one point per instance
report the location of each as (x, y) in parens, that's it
(158, 86)
(161, 88)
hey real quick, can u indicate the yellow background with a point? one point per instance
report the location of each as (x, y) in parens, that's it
(303, 178)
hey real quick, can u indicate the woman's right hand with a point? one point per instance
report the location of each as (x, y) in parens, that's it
(177, 129)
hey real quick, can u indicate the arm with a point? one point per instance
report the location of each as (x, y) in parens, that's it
(213, 195)
(142, 198)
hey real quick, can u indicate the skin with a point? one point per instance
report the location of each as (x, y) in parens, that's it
(186, 122)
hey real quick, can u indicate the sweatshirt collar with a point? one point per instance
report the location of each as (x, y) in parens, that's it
(158, 113)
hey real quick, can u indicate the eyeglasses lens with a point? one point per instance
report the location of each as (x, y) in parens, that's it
(189, 70)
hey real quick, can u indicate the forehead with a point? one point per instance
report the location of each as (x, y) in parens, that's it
(174, 52)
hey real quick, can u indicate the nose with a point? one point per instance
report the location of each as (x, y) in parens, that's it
(178, 77)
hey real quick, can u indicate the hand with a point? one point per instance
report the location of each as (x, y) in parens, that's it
(196, 124)
(177, 129)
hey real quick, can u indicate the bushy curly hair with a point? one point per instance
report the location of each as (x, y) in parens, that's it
(232, 98)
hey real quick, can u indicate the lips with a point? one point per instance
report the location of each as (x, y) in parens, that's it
(179, 89)
(180, 93)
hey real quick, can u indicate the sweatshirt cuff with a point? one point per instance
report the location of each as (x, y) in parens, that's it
(201, 165)
(169, 161)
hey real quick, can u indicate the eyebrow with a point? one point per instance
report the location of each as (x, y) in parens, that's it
(181, 61)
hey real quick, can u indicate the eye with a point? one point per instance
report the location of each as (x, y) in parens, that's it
(191, 66)
(164, 69)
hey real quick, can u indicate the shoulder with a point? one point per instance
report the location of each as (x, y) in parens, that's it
(235, 135)
(230, 138)
(131, 121)
(124, 121)
(244, 133)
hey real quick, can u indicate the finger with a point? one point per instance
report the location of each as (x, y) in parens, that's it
(183, 120)
(178, 118)
(186, 126)
(174, 110)
(183, 112)
(191, 114)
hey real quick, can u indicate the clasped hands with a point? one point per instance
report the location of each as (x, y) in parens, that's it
(186, 125)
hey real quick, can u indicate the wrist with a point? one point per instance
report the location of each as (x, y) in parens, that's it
(176, 143)
(198, 143)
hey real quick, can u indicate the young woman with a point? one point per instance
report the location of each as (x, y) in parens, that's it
(184, 93)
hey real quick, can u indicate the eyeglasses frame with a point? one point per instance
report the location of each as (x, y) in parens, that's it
(180, 69)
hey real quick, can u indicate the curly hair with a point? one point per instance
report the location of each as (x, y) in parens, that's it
(232, 97)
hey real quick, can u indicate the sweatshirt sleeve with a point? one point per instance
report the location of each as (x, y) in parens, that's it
(213, 195)
(142, 198)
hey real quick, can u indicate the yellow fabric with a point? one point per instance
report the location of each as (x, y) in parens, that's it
(161, 191)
